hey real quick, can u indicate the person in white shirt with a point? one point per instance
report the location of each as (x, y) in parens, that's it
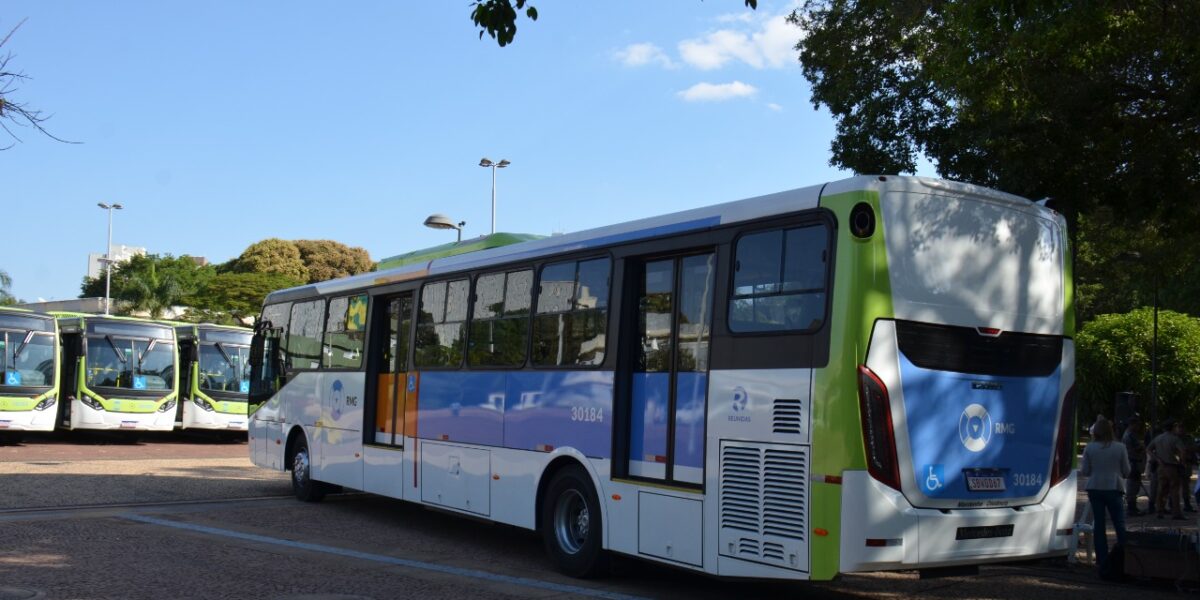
(1106, 465)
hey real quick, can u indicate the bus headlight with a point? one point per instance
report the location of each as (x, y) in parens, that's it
(91, 402)
(202, 403)
(168, 405)
(45, 403)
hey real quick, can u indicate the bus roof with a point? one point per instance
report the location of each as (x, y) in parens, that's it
(486, 242)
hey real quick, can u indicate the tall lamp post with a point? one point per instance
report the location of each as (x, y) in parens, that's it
(108, 253)
(487, 162)
(1137, 257)
(440, 221)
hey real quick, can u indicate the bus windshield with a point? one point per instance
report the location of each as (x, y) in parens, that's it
(26, 358)
(224, 367)
(132, 364)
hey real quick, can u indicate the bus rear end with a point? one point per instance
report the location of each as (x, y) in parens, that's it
(965, 365)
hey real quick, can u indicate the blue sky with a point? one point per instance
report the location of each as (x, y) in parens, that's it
(218, 124)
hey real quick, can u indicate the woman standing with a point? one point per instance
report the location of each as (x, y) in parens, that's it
(1106, 465)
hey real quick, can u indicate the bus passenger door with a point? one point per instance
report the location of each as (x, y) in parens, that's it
(668, 376)
(392, 378)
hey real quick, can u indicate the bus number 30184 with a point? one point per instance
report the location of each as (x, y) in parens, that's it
(587, 414)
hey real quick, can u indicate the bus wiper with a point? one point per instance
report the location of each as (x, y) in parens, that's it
(17, 352)
(142, 356)
(225, 355)
(115, 349)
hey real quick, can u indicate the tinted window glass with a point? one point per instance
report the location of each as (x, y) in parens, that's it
(500, 328)
(572, 314)
(304, 335)
(441, 324)
(779, 280)
(345, 332)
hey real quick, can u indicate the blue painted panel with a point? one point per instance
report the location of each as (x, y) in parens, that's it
(960, 421)
(690, 390)
(648, 417)
(560, 408)
(462, 407)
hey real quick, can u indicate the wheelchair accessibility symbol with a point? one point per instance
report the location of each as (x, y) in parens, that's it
(934, 478)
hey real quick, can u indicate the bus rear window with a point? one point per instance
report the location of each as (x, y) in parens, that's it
(779, 280)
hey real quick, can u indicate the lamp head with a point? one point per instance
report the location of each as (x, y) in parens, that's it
(440, 221)
(485, 162)
(503, 163)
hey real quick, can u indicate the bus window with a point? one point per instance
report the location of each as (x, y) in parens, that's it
(572, 314)
(779, 281)
(500, 324)
(304, 335)
(346, 332)
(441, 324)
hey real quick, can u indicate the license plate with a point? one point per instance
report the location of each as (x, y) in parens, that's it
(983, 533)
(235, 425)
(128, 424)
(985, 480)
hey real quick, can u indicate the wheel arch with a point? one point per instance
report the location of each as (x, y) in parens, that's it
(565, 458)
(296, 432)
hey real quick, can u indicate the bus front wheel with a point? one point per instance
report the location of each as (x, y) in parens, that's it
(571, 526)
(303, 485)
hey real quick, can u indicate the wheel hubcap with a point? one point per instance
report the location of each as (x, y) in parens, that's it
(571, 521)
(300, 467)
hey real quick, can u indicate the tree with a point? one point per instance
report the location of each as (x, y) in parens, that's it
(147, 281)
(233, 297)
(12, 112)
(6, 297)
(327, 259)
(273, 255)
(1095, 105)
(498, 18)
(1113, 355)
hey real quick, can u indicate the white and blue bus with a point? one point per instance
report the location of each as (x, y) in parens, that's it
(214, 377)
(871, 374)
(29, 357)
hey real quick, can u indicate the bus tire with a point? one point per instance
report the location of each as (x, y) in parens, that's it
(571, 524)
(303, 485)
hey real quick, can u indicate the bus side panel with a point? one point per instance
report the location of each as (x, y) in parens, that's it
(861, 294)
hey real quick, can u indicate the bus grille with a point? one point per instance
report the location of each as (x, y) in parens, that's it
(965, 350)
(764, 504)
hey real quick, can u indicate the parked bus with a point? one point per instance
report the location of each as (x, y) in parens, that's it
(214, 377)
(118, 373)
(29, 363)
(871, 374)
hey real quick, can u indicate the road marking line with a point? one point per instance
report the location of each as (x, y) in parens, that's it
(379, 558)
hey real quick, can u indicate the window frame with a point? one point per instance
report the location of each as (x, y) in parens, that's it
(420, 294)
(731, 297)
(609, 350)
(362, 361)
(287, 343)
(471, 320)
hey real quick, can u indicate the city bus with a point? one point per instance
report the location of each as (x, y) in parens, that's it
(29, 364)
(871, 374)
(214, 377)
(119, 373)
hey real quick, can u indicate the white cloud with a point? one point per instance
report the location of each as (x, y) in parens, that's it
(774, 107)
(640, 55)
(770, 47)
(718, 92)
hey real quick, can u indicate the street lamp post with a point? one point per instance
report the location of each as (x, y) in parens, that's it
(108, 254)
(440, 221)
(487, 162)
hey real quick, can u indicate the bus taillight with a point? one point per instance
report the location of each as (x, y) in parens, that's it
(1064, 445)
(878, 435)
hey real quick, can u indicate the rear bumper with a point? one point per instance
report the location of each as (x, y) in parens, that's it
(914, 538)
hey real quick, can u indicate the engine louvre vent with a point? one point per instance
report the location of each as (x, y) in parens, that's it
(764, 504)
(787, 416)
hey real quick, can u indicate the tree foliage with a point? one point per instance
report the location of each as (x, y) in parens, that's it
(273, 255)
(1113, 355)
(6, 297)
(232, 298)
(151, 283)
(327, 259)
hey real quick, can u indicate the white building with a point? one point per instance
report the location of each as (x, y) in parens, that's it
(120, 253)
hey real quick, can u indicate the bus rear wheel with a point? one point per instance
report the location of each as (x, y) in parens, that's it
(303, 485)
(571, 525)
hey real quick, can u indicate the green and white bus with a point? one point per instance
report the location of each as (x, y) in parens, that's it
(214, 376)
(869, 374)
(119, 373)
(29, 362)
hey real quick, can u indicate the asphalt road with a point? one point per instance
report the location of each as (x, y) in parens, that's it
(176, 517)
